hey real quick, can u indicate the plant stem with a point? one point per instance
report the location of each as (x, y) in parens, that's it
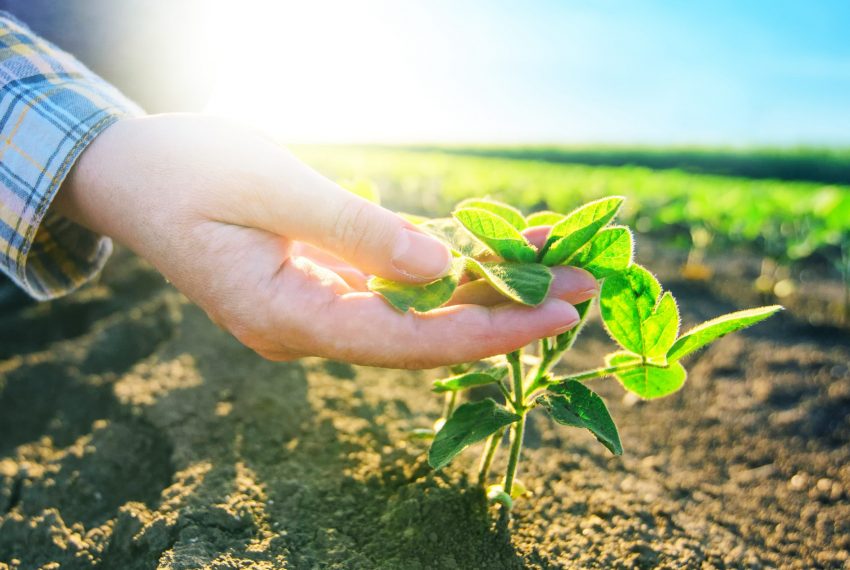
(515, 399)
(557, 347)
(518, 430)
(515, 361)
(489, 453)
(601, 372)
(449, 407)
(504, 391)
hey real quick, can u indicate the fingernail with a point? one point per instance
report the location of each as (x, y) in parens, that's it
(570, 315)
(421, 256)
(588, 294)
(564, 328)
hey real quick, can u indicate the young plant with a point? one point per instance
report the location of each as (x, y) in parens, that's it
(488, 245)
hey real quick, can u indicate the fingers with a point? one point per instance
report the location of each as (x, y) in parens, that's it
(568, 284)
(362, 328)
(355, 278)
(308, 207)
(573, 285)
(537, 235)
(367, 331)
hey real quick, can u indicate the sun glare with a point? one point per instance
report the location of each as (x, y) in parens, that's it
(314, 71)
(510, 72)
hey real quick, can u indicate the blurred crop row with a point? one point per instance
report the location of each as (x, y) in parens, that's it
(788, 222)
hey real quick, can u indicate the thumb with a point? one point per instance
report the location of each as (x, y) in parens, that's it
(312, 209)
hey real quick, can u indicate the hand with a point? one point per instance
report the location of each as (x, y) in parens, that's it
(278, 255)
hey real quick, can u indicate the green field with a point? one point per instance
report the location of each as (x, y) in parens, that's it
(788, 220)
(826, 165)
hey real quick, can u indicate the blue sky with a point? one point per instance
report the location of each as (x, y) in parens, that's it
(603, 71)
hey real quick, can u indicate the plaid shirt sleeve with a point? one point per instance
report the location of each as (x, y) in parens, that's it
(51, 108)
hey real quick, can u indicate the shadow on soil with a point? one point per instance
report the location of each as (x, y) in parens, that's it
(144, 437)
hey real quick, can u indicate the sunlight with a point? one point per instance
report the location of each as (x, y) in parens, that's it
(543, 71)
(314, 71)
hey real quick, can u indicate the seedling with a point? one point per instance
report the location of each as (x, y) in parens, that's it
(488, 245)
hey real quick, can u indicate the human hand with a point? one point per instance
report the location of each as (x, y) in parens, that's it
(279, 255)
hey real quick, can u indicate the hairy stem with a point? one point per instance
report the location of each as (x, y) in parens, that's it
(515, 362)
(449, 406)
(601, 372)
(557, 347)
(504, 391)
(489, 453)
(518, 430)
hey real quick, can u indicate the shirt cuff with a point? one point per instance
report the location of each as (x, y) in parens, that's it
(51, 108)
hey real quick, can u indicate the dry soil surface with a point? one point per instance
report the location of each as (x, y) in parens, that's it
(134, 434)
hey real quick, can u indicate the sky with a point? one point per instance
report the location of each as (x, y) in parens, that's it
(713, 72)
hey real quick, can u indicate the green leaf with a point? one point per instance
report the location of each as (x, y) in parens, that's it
(660, 330)
(513, 216)
(544, 218)
(499, 235)
(470, 423)
(574, 404)
(425, 297)
(575, 230)
(470, 380)
(452, 233)
(526, 283)
(634, 315)
(610, 251)
(648, 382)
(710, 331)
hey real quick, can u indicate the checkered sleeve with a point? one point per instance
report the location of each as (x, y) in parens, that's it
(51, 108)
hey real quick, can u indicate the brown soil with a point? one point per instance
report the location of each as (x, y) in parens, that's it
(134, 434)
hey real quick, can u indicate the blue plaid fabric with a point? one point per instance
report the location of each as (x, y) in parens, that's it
(51, 108)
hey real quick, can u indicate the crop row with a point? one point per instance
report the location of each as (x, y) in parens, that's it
(784, 220)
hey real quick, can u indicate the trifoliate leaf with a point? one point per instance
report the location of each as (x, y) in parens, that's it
(497, 233)
(647, 381)
(577, 228)
(425, 297)
(544, 218)
(574, 404)
(526, 283)
(470, 380)
(610, 251)
(634, 315)
(470, 423)
(710, 331)
(509, 213)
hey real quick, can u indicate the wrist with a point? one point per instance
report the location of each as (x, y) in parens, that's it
(90, 195)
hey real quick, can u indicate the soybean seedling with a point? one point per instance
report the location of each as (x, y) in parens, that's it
(486, 239)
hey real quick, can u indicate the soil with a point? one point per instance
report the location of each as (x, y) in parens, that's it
(134, 434)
